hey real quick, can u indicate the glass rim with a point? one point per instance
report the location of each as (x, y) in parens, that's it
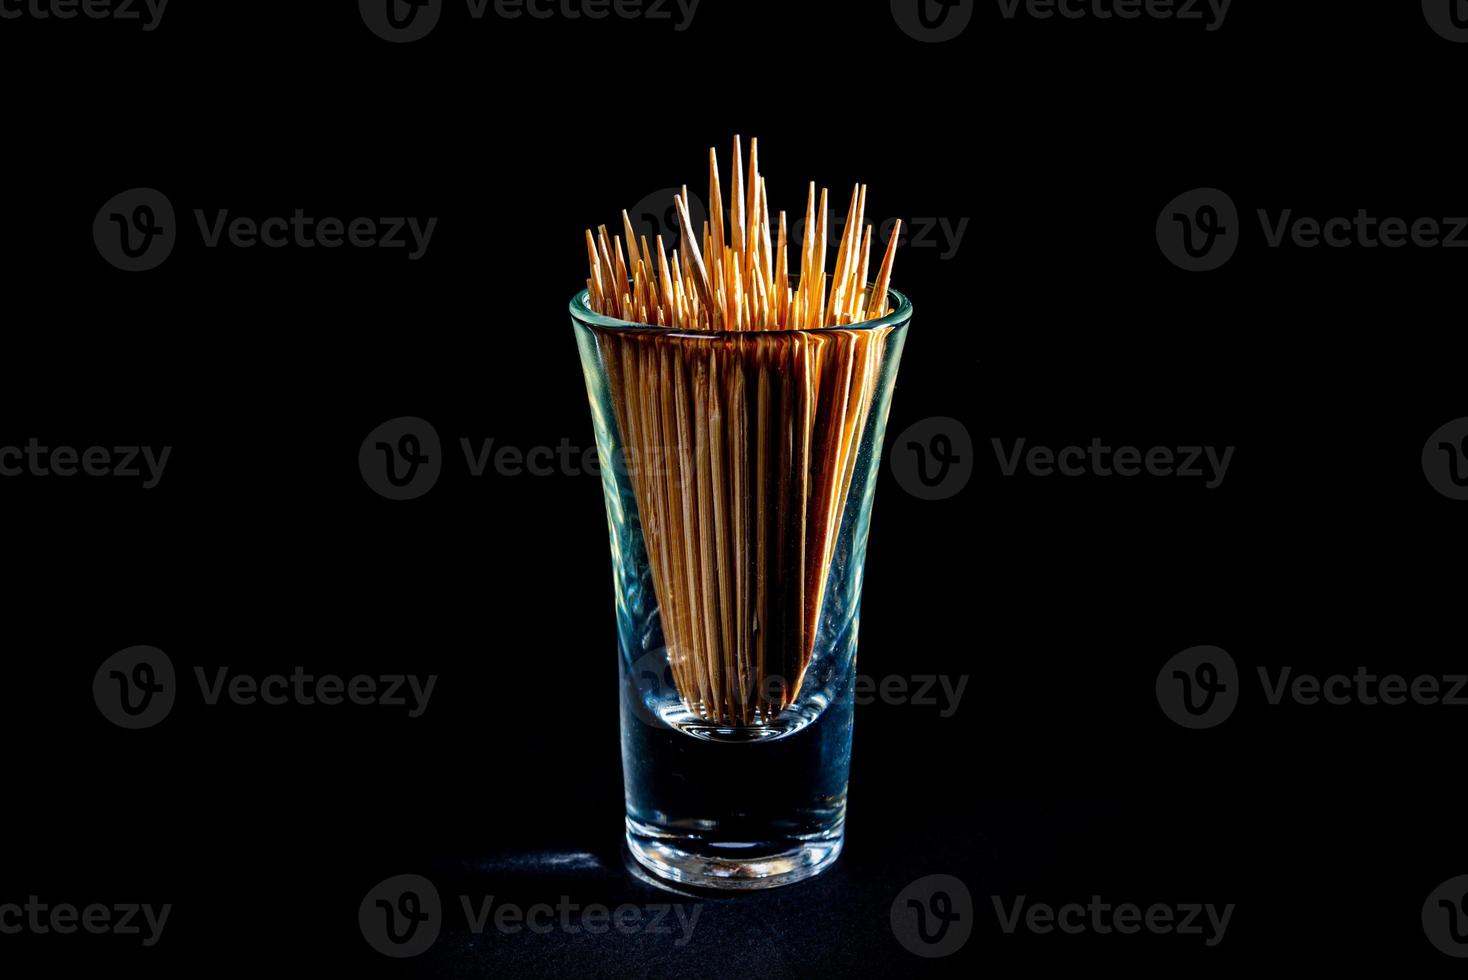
(582, 312)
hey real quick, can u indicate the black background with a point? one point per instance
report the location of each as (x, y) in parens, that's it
(1058, 320)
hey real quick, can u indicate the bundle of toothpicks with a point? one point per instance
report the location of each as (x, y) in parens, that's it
(742, 445)
(738, 278)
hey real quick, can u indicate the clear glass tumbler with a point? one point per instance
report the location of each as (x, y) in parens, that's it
(738, 470)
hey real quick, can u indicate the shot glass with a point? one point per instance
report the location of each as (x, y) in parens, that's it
(738, 470)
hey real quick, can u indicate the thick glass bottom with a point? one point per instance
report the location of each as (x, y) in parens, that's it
(689, 860)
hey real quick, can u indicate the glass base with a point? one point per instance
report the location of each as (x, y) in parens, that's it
(729, 867)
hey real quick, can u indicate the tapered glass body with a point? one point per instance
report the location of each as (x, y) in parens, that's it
(738, 470)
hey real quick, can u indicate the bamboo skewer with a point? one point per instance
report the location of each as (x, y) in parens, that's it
(742, 445)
